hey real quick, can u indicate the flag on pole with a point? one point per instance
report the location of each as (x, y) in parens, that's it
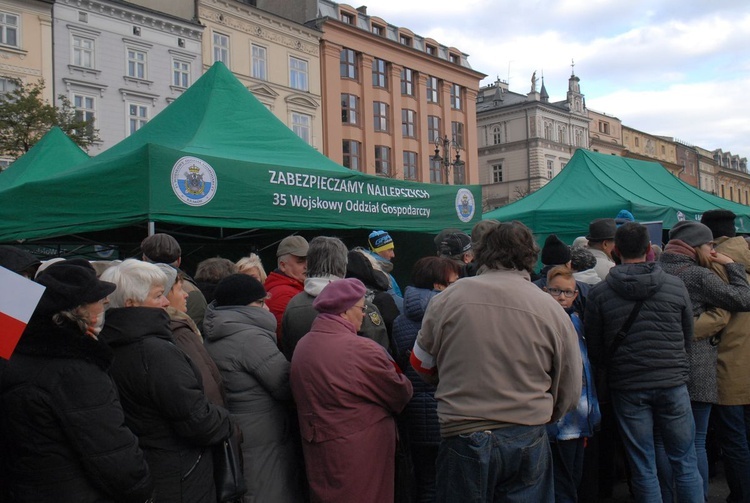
(18, 299)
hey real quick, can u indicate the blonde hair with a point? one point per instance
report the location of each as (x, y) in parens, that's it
(246, 263)
(563, 271)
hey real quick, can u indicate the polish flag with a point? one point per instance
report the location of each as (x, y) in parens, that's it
(18, 299)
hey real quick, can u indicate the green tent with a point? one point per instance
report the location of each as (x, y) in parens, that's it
(216, 157)
(54, 153)
(594, 185)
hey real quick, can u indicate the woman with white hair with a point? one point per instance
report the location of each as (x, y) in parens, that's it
(252, 266)
(160, 387)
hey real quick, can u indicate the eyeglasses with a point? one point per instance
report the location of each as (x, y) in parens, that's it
(555, 292)
(363, 307)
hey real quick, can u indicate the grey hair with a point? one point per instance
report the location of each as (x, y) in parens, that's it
(78, 315)
(134, 280)
(326, 257)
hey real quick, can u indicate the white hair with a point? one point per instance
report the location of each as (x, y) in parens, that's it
(134, 280)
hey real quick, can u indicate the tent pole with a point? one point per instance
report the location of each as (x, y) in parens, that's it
(151, 228)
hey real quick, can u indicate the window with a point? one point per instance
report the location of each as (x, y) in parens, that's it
(83, 51)
(301, 126)
(347, 18)
(663, 149)
(459, 173)
(407, 81)
(258, 55)
(136, 64)
(431, 50)
(433, 94)
(8, 29)
(378, 30)
(497, 173)
(221, 48)
(405, 40)
(349, 109)
(604, 127)
(410, 165)
(547, 131)
(7, 85)
(84, 107)
(550, 168)
(380, 116)
(637, 143)
(382, 160)
(298, 73)
(457, 130)
(436, 171)
(137, 117)
(433, 128)
(379, 73)
(351, 151)
(408, 118)
(497, 136)
(348, 66)
(180, 73)
(456, 96)
(454, 58)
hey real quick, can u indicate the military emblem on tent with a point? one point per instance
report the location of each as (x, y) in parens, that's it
(193, 181)
(465, 205)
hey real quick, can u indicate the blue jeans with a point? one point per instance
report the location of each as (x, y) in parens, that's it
(567, 464)
(638, 413)
(507, 464)
(701, 415)
(734, 422)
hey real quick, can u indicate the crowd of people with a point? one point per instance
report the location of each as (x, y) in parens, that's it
(483, 379)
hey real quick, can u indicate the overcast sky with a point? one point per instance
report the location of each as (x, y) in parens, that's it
(678, 68)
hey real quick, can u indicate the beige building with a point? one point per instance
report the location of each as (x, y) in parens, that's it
(25, 47)
(732, 178)
(648, 147)
(525, 139)
(605, 133)
(389, 94)
(277, 59)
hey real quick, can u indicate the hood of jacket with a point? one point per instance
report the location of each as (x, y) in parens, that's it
(220, 322)
(636, 281)
(415, 302)
(314, 286)
(278, 278)
(358, 266)
(125, 325)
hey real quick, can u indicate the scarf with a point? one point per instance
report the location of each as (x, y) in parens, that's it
(679, 247)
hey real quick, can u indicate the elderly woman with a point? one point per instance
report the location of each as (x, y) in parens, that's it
(688, 255)
(347, 389)
(187, 336)
(62, 431)
(430, 276)
(241, 338)
(252, 266)
(160, 387)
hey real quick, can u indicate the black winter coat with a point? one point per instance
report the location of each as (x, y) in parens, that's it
(652, 355)
(421, 411)
(162, 395)
(62, 425)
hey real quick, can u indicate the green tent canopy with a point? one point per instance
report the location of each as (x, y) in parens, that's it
(54, 153)
(217, 157)
(594, 185)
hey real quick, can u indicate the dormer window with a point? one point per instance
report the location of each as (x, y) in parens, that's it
(347, 18)
(454, 58)
(405, 40)
(431, 50)
(378, 30)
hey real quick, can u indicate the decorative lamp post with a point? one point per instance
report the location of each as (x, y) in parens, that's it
(449, 148)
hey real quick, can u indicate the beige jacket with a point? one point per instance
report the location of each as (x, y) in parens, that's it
(505, 351)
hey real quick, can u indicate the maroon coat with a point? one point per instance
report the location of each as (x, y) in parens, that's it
(347, 389)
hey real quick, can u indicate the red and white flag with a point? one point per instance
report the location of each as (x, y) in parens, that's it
(18, 299)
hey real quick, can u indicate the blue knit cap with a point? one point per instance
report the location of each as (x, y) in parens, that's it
(380, 241)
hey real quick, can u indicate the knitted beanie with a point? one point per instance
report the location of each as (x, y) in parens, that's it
(692, 233)
(380, 241)
(238, 290)
(555, 252)
(721, 223)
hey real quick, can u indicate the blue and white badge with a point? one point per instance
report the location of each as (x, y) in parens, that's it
(193, 181)
(465, 205)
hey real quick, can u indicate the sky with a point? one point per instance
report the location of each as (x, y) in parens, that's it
(677, 68)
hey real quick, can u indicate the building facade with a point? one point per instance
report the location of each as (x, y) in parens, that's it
(25, 47)
(121, 64)
(648, 147)
(525, 140)
(278, 61)
(389, 94)
(605, 133)
(732, 178)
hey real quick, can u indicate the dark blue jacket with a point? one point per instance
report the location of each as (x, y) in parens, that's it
(421, 411)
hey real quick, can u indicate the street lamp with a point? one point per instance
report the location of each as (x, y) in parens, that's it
(448, 148)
